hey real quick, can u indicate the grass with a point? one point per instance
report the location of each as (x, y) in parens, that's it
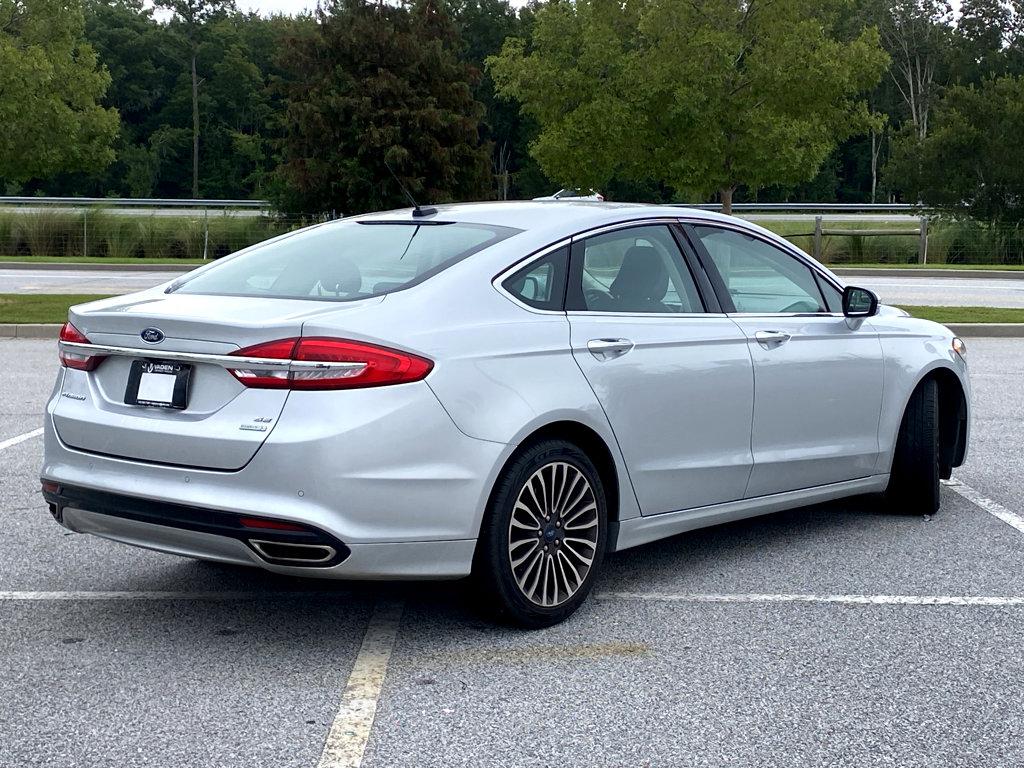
(40, 308)
(99, 260)
(916, 266)
(953, 241)
(967, 314)
(115, 236)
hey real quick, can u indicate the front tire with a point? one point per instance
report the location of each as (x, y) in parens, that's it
(914, 481)
(543, 537)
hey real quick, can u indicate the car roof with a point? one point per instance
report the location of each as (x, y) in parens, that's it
(545, 214)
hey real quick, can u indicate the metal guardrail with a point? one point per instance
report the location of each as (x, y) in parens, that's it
(850, 208)
(262, 205)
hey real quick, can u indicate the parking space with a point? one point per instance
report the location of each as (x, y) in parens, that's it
(839, 634)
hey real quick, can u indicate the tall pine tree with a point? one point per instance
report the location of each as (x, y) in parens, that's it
(379, 84)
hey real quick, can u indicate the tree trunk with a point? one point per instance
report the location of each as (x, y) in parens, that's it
(195, 128)
(725, 193)
(875, 144)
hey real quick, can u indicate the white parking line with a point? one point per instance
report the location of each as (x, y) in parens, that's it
(989, 506)
(350, 731)
(19, 438)
(881, 600)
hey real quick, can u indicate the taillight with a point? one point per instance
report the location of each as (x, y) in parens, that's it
(346, 365)
(78, 360)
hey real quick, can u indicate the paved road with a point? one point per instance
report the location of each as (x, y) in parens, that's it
(81, 281)
(983, 292)
(952, 291)
(257, 677)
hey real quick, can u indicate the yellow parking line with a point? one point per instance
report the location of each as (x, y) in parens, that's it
(350, 731)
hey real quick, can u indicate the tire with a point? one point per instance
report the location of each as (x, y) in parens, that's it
(914, 481)
(536, 578)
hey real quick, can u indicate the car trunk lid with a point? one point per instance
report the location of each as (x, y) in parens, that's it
(223, 423)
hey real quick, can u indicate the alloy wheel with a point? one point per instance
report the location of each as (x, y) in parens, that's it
(553, 534)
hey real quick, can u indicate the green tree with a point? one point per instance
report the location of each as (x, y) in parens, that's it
(918, 35)
(484, 25)
(973, 156)
(373, 84)
(50, 87)
(705, 95)
(192, 15)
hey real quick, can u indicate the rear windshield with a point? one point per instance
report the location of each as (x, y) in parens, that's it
(344, 261)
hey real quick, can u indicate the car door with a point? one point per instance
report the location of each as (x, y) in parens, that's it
(674, 378)
(817, 374)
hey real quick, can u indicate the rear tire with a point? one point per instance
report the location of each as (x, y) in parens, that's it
(914, 481)
(543, 536)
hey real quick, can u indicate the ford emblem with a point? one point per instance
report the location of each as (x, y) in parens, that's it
(152, 335)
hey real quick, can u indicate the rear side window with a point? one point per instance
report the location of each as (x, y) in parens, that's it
(345, 261)
(541, 284)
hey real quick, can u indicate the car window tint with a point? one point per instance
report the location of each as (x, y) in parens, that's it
(760, 278)
(541, 284)
(344, 261)
(639, 269)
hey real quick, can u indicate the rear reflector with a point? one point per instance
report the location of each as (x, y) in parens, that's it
(77, 360)
(348, 365)
(264, 523)
(51, 487)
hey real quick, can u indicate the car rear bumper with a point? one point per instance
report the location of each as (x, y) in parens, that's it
(386, 560)
(388, 482)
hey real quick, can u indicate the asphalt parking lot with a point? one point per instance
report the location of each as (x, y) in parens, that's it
(831, 635)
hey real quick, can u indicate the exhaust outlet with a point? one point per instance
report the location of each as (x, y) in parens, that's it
(292, 554)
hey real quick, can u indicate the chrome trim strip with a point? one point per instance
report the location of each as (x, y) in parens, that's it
(224, 361)
(656, 315)
(641, 222)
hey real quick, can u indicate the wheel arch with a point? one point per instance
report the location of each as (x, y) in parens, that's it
(618, 490)
(953, 415)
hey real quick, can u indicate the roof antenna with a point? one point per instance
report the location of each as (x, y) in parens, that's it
(417, 210)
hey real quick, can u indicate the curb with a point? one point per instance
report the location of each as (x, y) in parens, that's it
(898, 272)
(29, 330)
(1012, 330)
(98, 267)
(1005, 330)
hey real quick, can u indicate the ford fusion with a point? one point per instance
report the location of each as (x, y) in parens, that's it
(507, 391)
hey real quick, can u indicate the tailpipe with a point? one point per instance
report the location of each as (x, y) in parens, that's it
(293, 554)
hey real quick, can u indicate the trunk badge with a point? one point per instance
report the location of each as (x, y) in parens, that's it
(152, 335)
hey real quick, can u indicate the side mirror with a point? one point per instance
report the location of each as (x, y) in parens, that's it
(859, 302)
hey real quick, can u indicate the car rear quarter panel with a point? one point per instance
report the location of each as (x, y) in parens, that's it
(500, 371)
(913, 348)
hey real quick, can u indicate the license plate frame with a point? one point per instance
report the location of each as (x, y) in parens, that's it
(151, 376)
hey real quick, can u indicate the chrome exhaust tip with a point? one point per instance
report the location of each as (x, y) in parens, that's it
(289, 553)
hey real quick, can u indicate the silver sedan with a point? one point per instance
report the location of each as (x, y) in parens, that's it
(503, 390)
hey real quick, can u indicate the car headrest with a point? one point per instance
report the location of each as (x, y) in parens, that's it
(641, 276)
(341, 276)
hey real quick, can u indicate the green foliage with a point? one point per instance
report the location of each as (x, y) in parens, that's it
(973, 157)
(100, 233)
(376, 84)
(705, 96)
(50, 85)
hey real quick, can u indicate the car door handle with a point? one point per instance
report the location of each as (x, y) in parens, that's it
(606, 349)
(771, 339)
